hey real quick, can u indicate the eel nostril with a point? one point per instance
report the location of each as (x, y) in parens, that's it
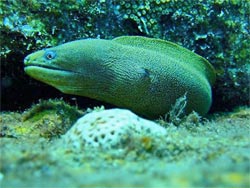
(26, 59)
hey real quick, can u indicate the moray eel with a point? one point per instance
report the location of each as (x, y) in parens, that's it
(145, 75)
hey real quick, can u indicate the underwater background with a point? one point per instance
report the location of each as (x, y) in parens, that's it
(34, 116)
(217, 30)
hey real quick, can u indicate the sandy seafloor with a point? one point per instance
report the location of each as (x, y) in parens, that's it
(213, 154)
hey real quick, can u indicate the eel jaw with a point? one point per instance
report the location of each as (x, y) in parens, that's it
(28, 65)
(63, 80)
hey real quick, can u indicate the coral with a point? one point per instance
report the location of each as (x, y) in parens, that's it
(112, 128)
(217, 30)
(210, 155)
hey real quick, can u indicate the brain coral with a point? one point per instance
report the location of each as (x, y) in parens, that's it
(110, 128)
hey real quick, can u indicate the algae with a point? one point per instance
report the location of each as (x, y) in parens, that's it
(48, 119)
(213, 153)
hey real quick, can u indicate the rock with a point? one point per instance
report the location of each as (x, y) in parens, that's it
(111, 128)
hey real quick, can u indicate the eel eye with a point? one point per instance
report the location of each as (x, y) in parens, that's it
(50, 55)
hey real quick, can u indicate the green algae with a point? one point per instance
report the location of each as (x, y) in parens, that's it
(48, 119)
(210, 154)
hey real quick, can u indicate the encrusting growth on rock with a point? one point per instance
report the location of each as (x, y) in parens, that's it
(111, 128)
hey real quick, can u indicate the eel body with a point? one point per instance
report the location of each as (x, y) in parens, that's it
(142, 74)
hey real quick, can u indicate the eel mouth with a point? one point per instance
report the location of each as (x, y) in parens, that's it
(42, 66)
(46, 67)
(48, 74)
(56, 77)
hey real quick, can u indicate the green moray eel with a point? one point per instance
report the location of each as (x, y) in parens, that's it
(142, 74)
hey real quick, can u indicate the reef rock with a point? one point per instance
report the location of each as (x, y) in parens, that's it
(111, 128)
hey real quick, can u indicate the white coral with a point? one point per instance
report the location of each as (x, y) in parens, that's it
(110, 128)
